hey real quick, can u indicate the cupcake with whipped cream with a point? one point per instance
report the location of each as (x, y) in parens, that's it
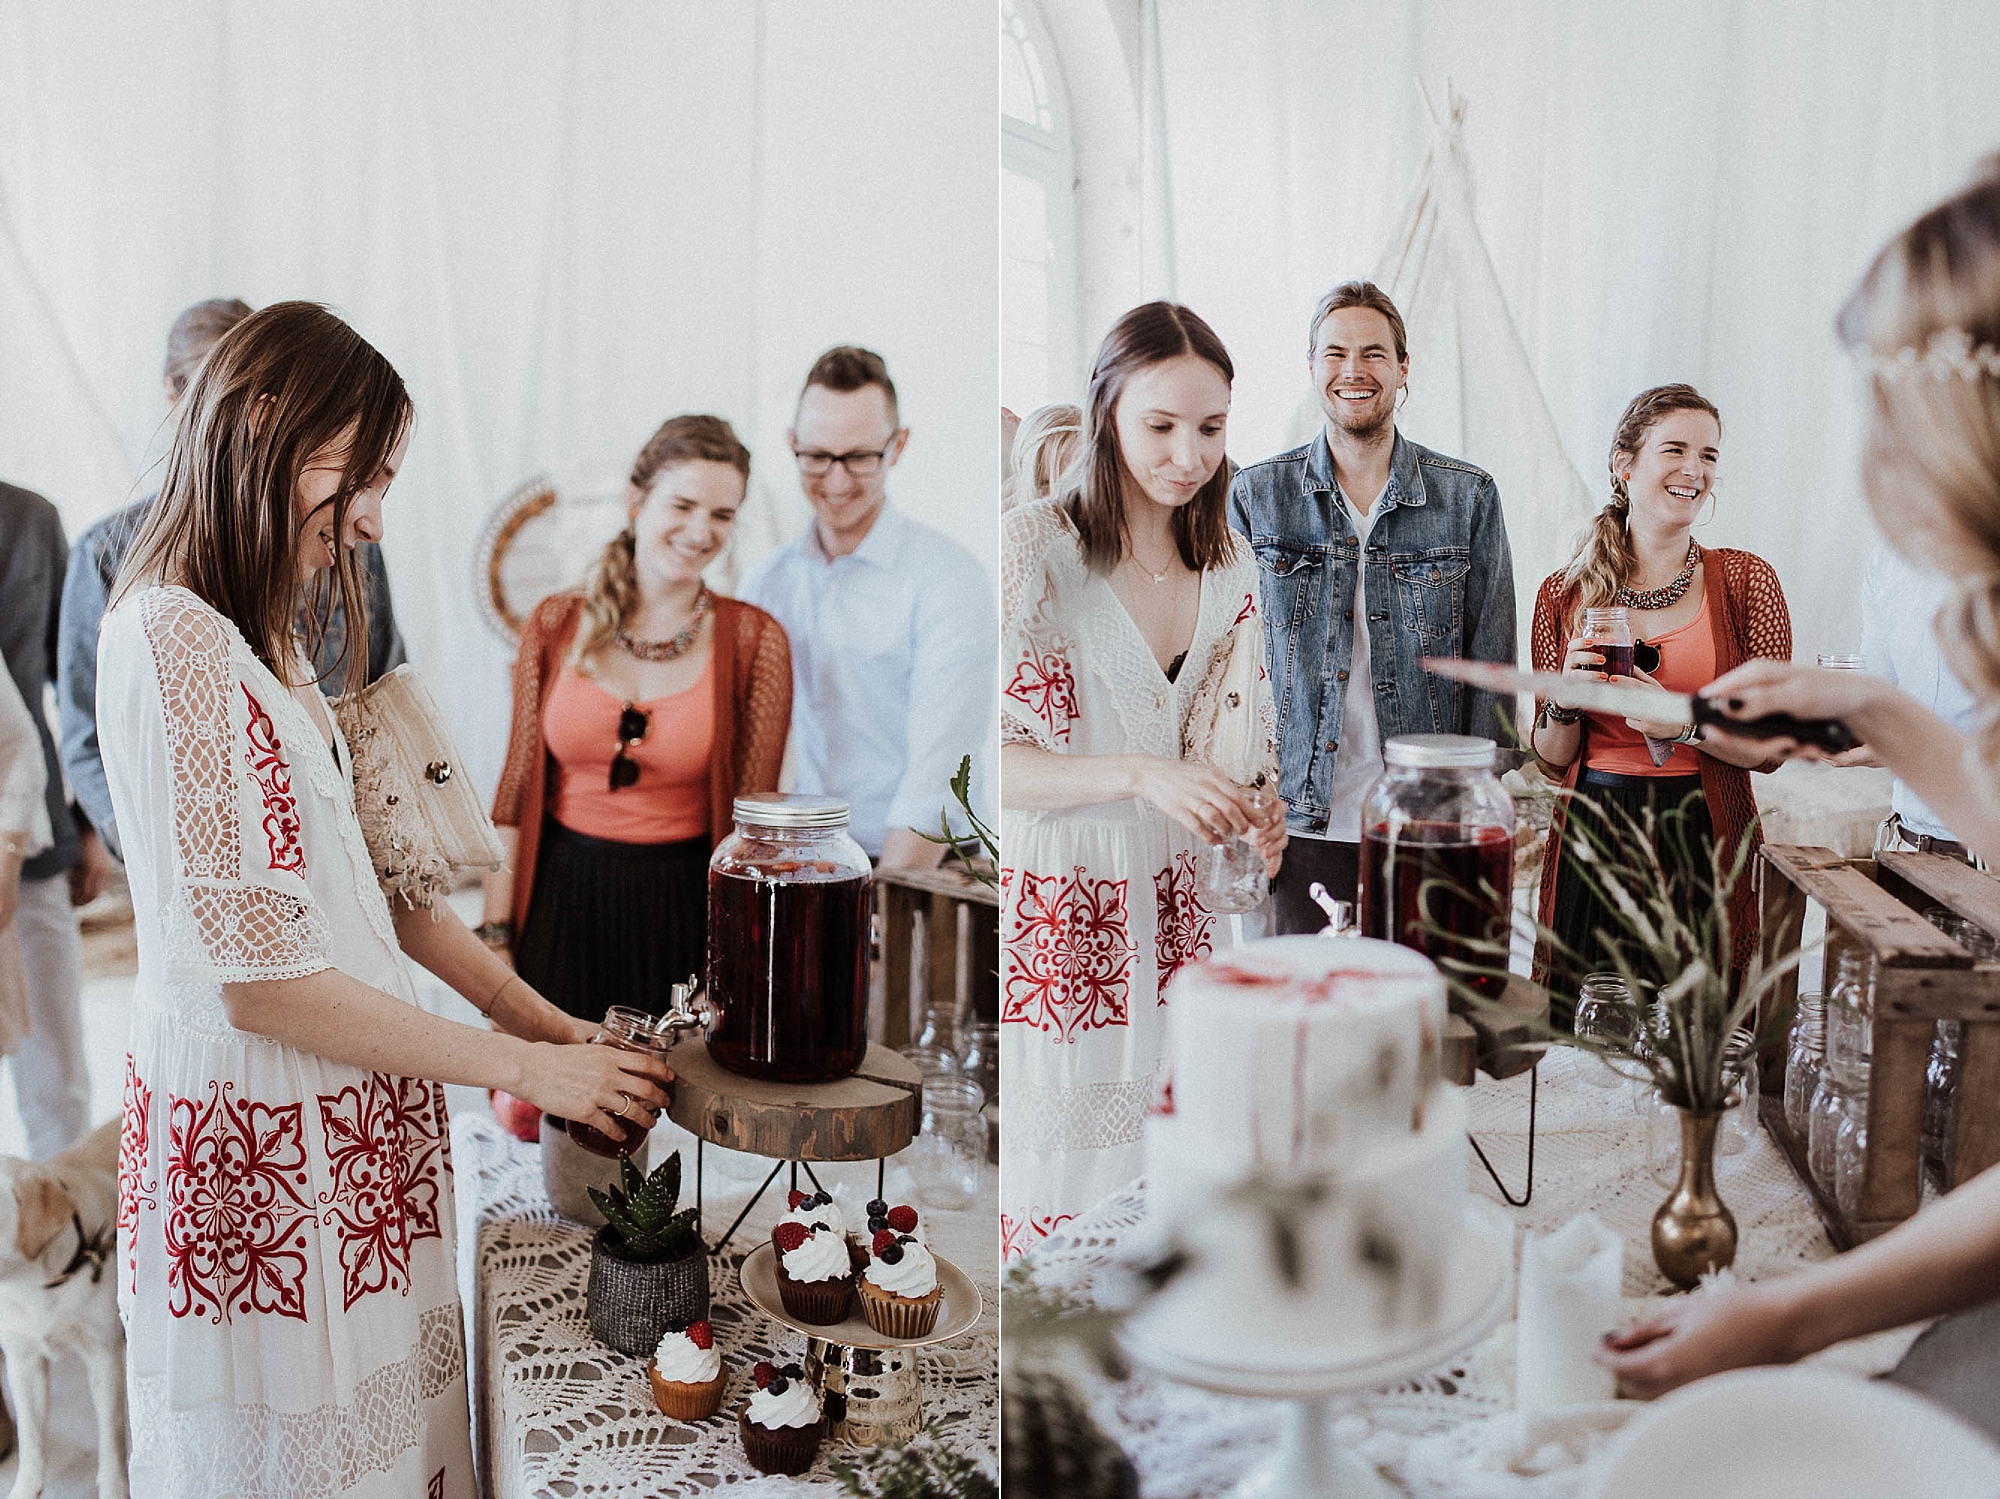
(900, 1294)
(902, 1218)
(781, 1424)
(813, 1210)
(815, 1273)
(686, 1372)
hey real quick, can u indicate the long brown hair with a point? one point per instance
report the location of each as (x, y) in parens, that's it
(1603, 562)
(613, 585)
(1933, 297)
(1147, 335)
(278, 389)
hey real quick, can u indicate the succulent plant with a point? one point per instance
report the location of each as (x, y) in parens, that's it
(640, 1212)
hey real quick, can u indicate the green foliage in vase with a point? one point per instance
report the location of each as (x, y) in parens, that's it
(1667, 886)
(980, 852)
(641, 1213)
(917, 1469)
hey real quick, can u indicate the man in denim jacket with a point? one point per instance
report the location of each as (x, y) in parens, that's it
(1362, 527)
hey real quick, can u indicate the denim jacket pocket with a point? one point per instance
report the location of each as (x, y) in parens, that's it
(1290, 577)
(1430, 591)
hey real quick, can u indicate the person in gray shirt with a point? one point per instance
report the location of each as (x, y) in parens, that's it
(99, 553)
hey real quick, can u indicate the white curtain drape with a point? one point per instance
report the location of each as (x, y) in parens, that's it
(563, 222)
(1667, 193)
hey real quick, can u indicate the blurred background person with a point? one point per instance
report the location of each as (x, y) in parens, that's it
(644, 704)
(1044, 445)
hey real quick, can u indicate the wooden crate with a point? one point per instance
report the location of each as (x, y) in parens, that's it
(940, 946)
(1922, 976)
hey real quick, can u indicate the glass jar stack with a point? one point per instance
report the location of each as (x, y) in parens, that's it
(1803, 1061)
(1838, 1132)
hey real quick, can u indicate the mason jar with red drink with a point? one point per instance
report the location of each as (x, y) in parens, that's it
(629, 1030)
(1437, 855)
(789, 895)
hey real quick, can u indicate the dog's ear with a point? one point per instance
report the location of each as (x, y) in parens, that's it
(45, 1211)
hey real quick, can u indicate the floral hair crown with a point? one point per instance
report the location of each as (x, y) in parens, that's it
(1949, 354)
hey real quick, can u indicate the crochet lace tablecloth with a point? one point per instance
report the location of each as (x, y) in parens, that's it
(560, 1414)
(1452, 1434)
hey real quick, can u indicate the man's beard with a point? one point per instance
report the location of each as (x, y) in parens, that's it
(1342, 416)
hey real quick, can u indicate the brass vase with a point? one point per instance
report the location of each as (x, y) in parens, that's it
(1693, 1231)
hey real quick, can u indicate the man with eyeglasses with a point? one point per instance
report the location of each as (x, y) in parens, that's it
(892, 624)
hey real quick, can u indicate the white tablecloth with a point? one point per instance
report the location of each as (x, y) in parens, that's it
(1451, 1434)
(560, 1414)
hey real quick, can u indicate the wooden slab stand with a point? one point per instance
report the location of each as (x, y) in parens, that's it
(1500, 1036)
(1922, 976)
(875, 1113)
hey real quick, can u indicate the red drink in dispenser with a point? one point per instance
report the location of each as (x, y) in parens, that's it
(1437, 853)
(789, 895)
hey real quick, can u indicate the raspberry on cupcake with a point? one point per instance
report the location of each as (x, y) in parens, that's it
(686, 1372)
(781, 1424)
(900, 1294)
(812, 1210)
(815, 1273)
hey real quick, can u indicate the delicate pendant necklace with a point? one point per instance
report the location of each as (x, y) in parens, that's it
(1157, 577)
(1661, 598)
(666, 650)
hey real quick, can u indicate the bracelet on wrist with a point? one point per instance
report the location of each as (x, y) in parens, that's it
(1554, 713)
(495, 933)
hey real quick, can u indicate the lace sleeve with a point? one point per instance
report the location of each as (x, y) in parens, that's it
(765, 670)
(241, 909)
(524, 734)
(1038, 681)
(1546, 635)
(1766, 619)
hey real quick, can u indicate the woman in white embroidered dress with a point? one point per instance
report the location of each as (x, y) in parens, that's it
(288, 1276)
(1119, 594)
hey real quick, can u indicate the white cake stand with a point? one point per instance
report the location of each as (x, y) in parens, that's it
(1308, 1464)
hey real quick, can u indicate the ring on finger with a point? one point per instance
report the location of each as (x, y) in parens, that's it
(624, 1103)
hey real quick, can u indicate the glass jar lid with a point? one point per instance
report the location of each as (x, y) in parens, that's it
(1439, 752)
(783, 809)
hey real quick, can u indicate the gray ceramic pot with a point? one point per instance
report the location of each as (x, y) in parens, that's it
(631, 1305)
(568, 1170)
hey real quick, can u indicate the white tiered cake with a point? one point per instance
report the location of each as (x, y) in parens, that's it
(1309, 1067)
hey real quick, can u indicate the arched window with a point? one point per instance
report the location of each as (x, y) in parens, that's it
(1038, 260)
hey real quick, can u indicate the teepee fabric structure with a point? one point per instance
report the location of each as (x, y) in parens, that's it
(56, 438)
(1473, 393)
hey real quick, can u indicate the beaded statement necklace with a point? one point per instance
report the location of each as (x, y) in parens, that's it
(1661, 598)
(666, 650)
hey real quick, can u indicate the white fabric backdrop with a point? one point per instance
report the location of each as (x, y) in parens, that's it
(1668, 193)
(562, 221)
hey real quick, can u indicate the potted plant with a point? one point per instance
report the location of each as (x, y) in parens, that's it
(648, 1266)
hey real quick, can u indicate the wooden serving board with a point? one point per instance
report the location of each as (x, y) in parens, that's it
(872, 1114)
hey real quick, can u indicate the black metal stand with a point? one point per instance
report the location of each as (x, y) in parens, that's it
(881, 1172)
(1528, 1191)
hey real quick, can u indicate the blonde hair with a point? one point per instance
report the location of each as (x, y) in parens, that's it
(1603, 561)
(1937, 436)
(612, 587)
(1048, 439)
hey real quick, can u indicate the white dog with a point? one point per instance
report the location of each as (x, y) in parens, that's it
(59, 1290)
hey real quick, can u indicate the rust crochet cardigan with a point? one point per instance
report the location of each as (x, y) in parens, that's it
(1746, 610)
(753, 714)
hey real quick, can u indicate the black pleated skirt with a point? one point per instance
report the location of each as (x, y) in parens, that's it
(1580, 913)
(613, 923)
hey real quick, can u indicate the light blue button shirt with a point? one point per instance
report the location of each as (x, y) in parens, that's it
(1899, 603)
(895, 651)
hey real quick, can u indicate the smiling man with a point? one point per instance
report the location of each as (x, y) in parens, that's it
(1372, 553)
(894, 643)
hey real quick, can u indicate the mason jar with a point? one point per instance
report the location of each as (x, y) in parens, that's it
(1850, 1010)
(1437, 855)
(628, 1030)
(788, 904)
(1802, 1061)
(1840, 1101)
(1609, 632)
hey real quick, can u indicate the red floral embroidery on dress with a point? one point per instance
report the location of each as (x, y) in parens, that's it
(1045, 683)
(1069, 960)
(1019, 1235)
(235, 1213)
(1248, 611)
(134, 1191)
(266, 760)
(385, 1141)
(1184, 921)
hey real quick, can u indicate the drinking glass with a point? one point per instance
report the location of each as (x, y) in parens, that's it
(629, 1030)
(1837, 661)
(931, 1052)
(1232, 873)
(948, 1157)
(1605, 1014)
(1739, 1119)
